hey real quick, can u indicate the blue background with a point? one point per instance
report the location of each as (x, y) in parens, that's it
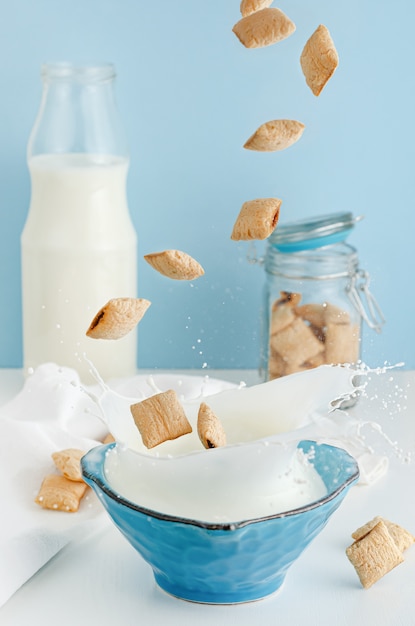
(190, 95)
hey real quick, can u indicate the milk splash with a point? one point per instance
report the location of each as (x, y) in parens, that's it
(392, 398)
(268, 409)
(250, 478)
(247, 413)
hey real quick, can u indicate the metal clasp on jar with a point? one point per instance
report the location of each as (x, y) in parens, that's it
(364, 301)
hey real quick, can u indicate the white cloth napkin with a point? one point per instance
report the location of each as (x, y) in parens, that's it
(51, 413)
(54, 412)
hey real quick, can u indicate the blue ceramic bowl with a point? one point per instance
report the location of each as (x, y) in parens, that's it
(224, 563)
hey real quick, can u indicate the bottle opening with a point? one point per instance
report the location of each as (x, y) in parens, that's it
(88, 72)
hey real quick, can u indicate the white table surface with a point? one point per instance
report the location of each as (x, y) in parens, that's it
(102, 581)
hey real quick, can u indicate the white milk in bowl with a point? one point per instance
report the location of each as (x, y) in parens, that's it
(78, 251)
(226, 484)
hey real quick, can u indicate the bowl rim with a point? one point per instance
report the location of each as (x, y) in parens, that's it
(100, 480)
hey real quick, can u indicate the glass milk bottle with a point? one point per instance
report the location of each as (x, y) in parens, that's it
(315, 297)
(78, 246)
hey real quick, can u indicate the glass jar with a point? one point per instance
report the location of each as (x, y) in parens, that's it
(78, 246)
(313, 297)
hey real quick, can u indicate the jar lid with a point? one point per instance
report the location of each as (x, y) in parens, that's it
(314, 232)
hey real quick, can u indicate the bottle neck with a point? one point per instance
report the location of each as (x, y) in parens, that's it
(329, 262)
(78, 112)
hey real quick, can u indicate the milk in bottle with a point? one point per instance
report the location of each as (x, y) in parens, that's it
(78, 244)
